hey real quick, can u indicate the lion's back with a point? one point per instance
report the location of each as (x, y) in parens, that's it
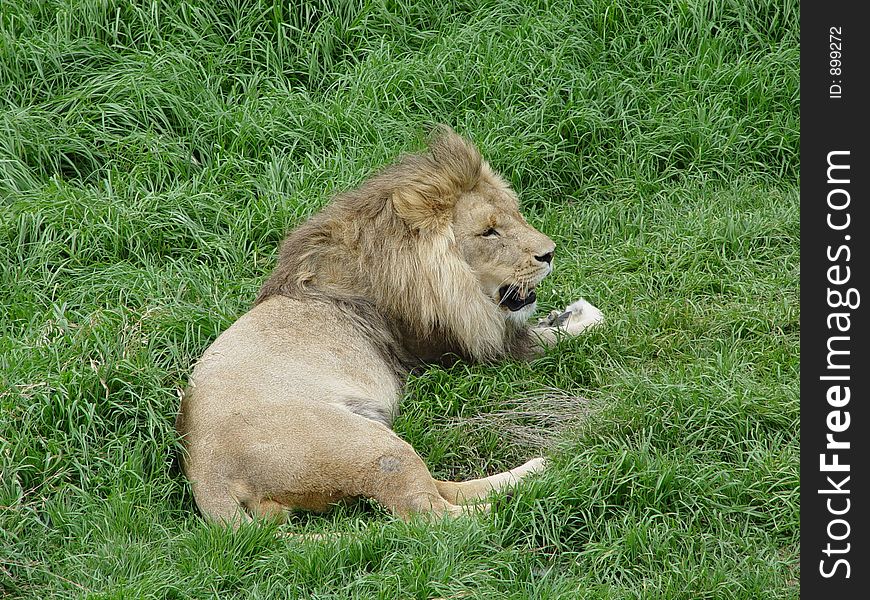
(288, 353)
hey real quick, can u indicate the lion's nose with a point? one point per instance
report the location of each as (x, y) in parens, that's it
(547, 258)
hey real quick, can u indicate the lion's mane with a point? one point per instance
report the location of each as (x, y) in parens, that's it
(389, 245)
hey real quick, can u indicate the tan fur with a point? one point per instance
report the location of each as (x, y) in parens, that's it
(290, 408)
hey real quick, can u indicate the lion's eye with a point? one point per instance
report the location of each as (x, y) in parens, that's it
(490, 233)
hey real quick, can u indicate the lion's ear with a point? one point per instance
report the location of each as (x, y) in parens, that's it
(425, 198)
(456, 156)
(426, 203)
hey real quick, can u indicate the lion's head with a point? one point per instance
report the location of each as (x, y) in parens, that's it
(435, 242)
(508, 256)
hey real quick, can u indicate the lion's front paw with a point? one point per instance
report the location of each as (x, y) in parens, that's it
(578, 316)
(550, 319)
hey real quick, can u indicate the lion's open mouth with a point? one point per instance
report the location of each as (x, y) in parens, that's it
(514, 298)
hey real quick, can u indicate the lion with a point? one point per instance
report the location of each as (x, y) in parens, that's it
(291, 407)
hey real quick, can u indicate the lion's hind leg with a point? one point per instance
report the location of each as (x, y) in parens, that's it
(373, 462)
(473, 490)
(231, 500)
(219, 502)
(405, 486)
(336, 455)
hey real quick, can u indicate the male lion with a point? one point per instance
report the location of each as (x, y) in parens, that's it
(290, 408)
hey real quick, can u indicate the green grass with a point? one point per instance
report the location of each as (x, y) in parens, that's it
(153, 154)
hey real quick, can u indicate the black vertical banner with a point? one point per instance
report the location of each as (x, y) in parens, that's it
(835, 354)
